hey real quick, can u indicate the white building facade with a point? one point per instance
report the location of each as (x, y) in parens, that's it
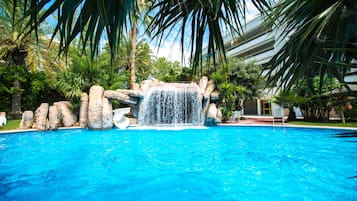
(258, 44)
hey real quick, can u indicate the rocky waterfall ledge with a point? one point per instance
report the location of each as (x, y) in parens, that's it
(96, 111)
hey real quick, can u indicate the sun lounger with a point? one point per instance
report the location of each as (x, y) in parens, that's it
(3, 120)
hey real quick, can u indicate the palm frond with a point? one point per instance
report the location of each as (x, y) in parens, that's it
(202, 21)
(322, 40)
(42, 57)
(90, 20)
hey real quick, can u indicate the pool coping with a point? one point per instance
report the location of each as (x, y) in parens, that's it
(35, 130)
(290, 126)
(224, 125)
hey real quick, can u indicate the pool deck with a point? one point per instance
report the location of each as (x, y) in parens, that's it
(268, 121)
(261, 120)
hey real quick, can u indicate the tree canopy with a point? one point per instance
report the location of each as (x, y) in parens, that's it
(321, 36)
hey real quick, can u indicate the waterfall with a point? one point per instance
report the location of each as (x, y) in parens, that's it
(171, 104)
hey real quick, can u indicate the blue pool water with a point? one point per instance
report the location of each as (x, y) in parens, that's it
(218, 163)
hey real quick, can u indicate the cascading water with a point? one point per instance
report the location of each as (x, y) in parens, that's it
(171, 104)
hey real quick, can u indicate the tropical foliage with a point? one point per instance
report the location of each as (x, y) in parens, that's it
(19, 50)
(166, 71)
(91, 19)
(315, 102)
(321, 40)
(326, 29)
(237, 81)
(36, 87)
(143, 59)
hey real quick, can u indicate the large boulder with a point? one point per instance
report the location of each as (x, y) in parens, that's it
(212, 111)
(116, 95)
(205, 104)
(95, 107)
(107, 114)
(27, 120)
(136, 86)
(203, 84)
(135, 97)
(53, 118)
(40, 117)
(83, 113)
(131, 93)
(219, 115)
(147, 84)
(67, 116)
(210, 88)
(214, 115)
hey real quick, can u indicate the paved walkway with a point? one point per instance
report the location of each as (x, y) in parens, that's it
(263, 120)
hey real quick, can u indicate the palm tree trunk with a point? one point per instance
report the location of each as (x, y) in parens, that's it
(132, 54)
(16, 99)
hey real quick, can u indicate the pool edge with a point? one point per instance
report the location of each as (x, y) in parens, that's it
(222, 124)
(290, 126)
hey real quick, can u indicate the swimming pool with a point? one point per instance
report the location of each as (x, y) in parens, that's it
(217, 163)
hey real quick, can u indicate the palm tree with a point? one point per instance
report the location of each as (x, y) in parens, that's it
(324, 27)
(19, 50)
(144, 64)
(201, 21)
(91, 19)
(12, 50)
(136, 15)
(143, 56)
(322, 40)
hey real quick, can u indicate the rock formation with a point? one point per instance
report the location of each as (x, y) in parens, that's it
(209, 103)
(136, 97)
(27, 120)
(96, 110)
(210, 88)
(83, 113)
(203, 84)
(95, 107)
(107, 114)
(40, 117)
(53, 118)
(214, 115)
(117, 95)
(68, 118)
